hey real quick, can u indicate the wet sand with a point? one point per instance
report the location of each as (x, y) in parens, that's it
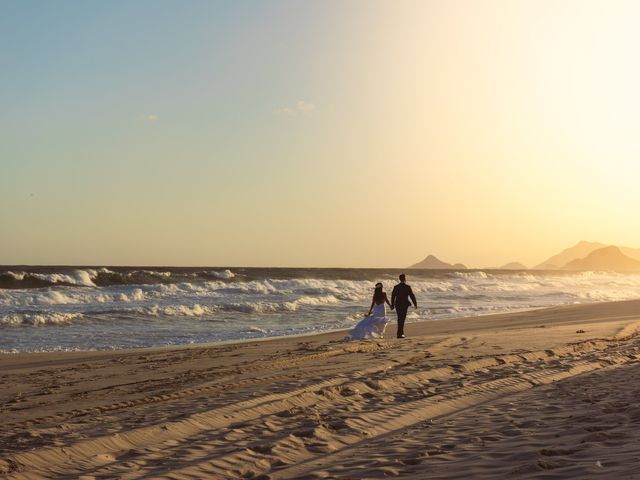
(548, 393)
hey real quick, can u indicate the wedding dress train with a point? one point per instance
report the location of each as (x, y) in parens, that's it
(373, 325)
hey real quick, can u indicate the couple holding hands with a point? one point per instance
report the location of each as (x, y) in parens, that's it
(374, 324)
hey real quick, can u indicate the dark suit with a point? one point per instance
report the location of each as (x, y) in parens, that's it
(400, 300)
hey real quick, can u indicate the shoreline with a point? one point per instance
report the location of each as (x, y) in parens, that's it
(330, 333)
(178, 308)
(453, 397)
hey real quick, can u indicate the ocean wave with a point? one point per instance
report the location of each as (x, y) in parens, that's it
(289, 294)
(354, 317)
(196, 310)
(54, 348)
(39, 318)
(474, 274)
(69, 296)
(277, 307)
(103, 277)
(12, 279)
(254, 329)
(224, 275)
(150, 306)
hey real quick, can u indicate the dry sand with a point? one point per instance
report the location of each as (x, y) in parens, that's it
(551, 393)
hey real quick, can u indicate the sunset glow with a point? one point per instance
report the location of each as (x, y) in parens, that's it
(211, 133)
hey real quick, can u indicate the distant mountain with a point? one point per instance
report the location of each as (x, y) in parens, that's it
(513, 266)
(435, 263)
(607, 258)
(580, 250)
(631, 252)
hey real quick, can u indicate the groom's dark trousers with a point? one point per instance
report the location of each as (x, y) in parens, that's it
(401, 311)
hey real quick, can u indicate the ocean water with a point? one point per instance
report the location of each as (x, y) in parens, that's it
(99, 308)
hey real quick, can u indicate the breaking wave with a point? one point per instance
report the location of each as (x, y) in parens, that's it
(115, 307)
(104, 277)
(39, 319)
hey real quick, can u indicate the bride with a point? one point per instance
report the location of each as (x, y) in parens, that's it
(373, 325)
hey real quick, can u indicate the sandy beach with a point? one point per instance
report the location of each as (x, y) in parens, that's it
(210, 207)
(550, 393)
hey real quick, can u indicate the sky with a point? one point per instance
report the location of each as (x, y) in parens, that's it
(339, 133)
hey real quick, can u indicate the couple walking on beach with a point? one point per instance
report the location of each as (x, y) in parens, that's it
(374, 324)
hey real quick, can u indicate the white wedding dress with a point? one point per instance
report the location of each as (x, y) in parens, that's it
(372, 326)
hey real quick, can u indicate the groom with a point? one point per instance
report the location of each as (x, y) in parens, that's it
(400, 301)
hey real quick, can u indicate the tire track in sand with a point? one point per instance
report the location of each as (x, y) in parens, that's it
(103, 452)
(280, 363)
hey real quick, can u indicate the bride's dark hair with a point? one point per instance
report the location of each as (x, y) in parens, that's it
(378, 294)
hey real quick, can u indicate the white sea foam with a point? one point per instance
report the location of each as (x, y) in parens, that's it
(17, 276)
(124, 314)
(135, 295)
(69, 296)
(355, 317)
(275, 307)
(324, 300)
(79, 277)
(225, 274)
(152, 273)
(39, 319)
(187, 310)
(474, 274)
(254, 329)
(196, 310)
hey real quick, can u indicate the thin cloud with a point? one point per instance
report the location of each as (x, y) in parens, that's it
(153, 118)
(305, 107)
(302, 107)
(286, 111)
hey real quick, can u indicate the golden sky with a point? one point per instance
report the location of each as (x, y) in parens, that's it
(346, 133)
